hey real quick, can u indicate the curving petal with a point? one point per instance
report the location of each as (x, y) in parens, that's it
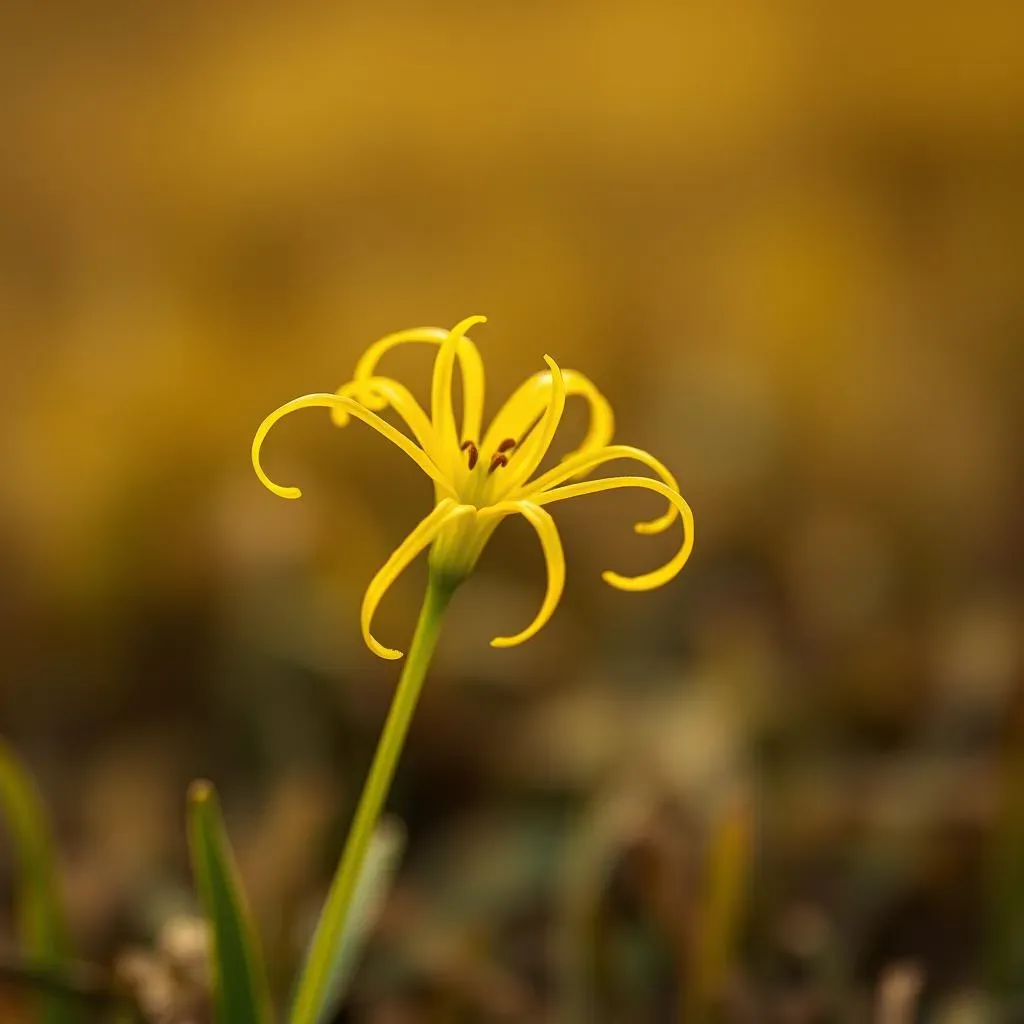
(650, 580)
(366, 367)
(441, 413)
(470, 364)
(420, 538)
(522, 407)
(586, 461)
(554, 558)
(360, 412)
(602, 419)
(530, 399)
(528, 457)
(368, 392)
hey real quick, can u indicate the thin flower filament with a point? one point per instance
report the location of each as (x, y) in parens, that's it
(554, 558)
(530, 399)
(360, 412)
(467, 355)
(587, 461)
(399, 398)
(441, 411)
(528, 454)
(650, 580)
(446, 512)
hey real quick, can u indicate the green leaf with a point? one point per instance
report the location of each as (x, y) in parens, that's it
(241, 993)
(41, 929)
(375, 879)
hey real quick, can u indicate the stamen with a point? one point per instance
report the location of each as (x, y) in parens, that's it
(499, 459)
(474, 453)
(507, 445)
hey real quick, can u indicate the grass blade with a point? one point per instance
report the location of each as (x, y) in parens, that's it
(241, 993)
(41, 929)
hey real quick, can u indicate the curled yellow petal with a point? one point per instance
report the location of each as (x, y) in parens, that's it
(530, 399)
(441, 412)
(602, 419)
(528, 457)
(404, 554)
(368, 392)
(469, 360)
(554, 558)
(352, 408)
(650, 580)
(523, 406)
(586, 461)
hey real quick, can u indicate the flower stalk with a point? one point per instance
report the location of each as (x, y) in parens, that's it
(317, 974)
(480, 477)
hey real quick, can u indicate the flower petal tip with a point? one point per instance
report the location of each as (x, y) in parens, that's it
(464, 325)
(200, 791)
(376, 647)
(504, 641)
(291, 493)
(656, 526)
(613, 579)
(639, 584)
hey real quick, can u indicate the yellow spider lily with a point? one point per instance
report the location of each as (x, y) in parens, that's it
(480, 478)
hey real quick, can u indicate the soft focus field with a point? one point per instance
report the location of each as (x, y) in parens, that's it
(786, 242)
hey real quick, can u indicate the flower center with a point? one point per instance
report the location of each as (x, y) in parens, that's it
(477, 487)
(498, 459)
(480, 487)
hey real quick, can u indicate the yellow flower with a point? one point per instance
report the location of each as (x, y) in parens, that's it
(482, 477)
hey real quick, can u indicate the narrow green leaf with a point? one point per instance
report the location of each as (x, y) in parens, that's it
(241, 993)
(375, 879)
(41, 929)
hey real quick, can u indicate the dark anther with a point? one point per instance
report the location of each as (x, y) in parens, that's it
(507, 445)
(474, 454)
(498, 460)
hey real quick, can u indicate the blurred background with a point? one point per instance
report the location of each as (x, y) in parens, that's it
(786, 242)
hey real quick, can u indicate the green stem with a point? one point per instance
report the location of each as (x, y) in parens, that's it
(317, 974)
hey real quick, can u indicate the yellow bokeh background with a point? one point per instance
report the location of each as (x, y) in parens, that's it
(785, 241)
